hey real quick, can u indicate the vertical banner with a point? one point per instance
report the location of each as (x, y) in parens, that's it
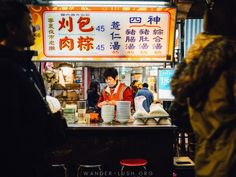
(104, 33)
(164, 77)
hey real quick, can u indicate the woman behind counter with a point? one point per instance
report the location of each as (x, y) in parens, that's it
(115, 90)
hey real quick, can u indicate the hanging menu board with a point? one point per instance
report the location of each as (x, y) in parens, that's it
(104, 33)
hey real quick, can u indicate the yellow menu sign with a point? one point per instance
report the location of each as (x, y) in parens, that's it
(104, 33)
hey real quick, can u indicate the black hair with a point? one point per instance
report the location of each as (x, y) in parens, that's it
(11, 12)
(110, 72)
(133, 82)
(145, 85)
(220, 17)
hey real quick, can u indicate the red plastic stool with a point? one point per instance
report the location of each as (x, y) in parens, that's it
(133, 163)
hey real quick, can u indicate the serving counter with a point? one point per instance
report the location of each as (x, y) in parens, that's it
(107, 144)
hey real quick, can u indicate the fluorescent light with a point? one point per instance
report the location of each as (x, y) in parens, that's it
(105, 3)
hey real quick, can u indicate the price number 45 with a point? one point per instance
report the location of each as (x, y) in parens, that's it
(100, 47)
(100, 28)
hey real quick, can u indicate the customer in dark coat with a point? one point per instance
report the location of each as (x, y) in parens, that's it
(148, 95)
(93, 95)
(134, 87)
(206, 83)
(27, 125)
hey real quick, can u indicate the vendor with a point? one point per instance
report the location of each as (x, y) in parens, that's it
(114, 91)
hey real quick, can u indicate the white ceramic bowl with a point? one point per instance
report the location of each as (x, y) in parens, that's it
(123, 121)
(151, 122)
(138, 122)
(107, 113)
(107, 110)
(164, 121)
(107, 119)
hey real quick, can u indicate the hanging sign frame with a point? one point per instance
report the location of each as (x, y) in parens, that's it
(97, 33)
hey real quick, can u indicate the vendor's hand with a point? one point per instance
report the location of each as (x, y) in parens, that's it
(112, 102)
(107, 103)
(102, 103)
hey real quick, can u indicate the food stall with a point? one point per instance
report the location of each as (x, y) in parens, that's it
(107, 33)
(134, 35)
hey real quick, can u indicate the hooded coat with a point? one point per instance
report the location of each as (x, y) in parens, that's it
(208, 85)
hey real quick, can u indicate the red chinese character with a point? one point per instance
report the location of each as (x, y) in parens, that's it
(85, 43)
(66, 42)
(66, 23)
(82, 22)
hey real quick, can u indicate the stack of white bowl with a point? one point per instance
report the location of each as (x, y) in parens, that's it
(107, 113)
(123, 111)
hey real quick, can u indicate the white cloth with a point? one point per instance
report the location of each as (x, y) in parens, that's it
(157, 110)
(139, 109)
(61, 78)
(53, 104)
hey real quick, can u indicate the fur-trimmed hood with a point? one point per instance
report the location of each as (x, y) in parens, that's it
(200, 42)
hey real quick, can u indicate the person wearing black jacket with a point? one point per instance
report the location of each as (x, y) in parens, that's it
(93, 95)
(28, 128)
(206, 85)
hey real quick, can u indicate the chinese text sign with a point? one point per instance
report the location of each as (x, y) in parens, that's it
(106, 35)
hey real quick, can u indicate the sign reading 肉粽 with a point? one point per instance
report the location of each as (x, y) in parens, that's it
(98, 33)
(164, 78)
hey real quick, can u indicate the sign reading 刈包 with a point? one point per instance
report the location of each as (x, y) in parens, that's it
(104, 34)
